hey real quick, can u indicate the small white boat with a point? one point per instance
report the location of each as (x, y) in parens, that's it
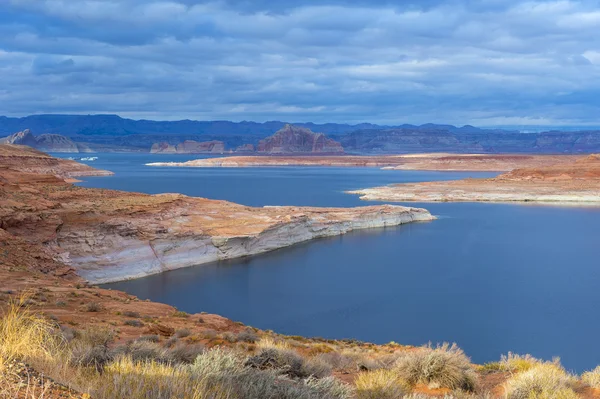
(88, 159)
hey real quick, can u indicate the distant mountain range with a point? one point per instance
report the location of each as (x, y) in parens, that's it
(71, 133)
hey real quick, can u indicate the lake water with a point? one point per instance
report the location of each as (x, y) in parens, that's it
(491, 277)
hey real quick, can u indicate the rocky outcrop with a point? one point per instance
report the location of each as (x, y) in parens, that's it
(131, 247)
(109, 235)
(189, 147)
(566, 182)
(23, 138)
(163, 148)
(45, 142)
(294, 139)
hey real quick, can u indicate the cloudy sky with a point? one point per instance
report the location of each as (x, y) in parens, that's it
(485, 62)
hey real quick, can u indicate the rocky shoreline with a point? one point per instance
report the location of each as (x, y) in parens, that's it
(122, 255)
(576, 182)
(108, 236)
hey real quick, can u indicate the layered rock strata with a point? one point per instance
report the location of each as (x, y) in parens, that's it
(110, 235)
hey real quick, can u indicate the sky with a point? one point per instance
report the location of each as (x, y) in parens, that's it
(486, 62)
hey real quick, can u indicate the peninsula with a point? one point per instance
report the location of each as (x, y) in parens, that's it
(577, 181)
(110, 235)
(429, 161)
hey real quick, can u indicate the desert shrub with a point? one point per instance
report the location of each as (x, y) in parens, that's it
(209, 334)
(149, 338)
(171, 341)
(184, 332)
(132, 314)
(247, 336)
(518, 363)
(183, 353)
(133, 323)
(543, 381)
(229, 337)
(445, 366)
(281, 357)
(61, 304)
(89, 348)
(93, 307)
(592, 378)
(179, 313)
(330, 387)
(143, 351)
(337, 361)
(222, 371)
(380, 384)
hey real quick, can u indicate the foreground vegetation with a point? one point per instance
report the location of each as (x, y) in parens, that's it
(91, 364)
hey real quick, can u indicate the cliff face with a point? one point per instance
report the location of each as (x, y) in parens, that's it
(293, 139)
(109, 235)
(189, 147)
(45, 142)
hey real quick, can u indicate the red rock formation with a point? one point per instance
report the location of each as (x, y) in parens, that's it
(194, 147)
(293, 139)
(163, 147)
(189, 147)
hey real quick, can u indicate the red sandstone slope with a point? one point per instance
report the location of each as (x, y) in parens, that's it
(293, 139)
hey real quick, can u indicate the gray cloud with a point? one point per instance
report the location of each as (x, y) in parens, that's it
(480, 62)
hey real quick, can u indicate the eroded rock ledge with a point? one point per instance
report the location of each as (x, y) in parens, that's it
(108, 235)
(190, 231)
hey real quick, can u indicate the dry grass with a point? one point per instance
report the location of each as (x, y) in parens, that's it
(543, 381)
(140, 370)
(380, 384)
(27, 336)
(445, 366)
(592, 378)
(518, 363)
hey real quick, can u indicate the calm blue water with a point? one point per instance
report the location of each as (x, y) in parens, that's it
(492, 277)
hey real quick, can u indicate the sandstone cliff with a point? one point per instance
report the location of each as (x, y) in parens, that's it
(109, 235)
(293, 139)
(189, 147)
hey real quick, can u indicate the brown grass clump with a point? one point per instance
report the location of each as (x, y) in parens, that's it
(592, 378)
(445, 366)
(543, 381)
(380, 384)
